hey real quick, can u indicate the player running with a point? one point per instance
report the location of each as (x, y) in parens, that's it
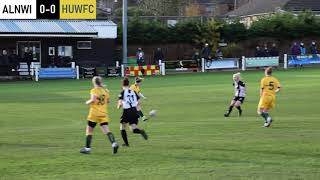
(269, 87)
(129, 100)
(136, 88)
(98, 113)
(239, 94)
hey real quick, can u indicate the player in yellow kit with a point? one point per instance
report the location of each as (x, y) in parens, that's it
(269, 87)
(136, 88)
(98, 114)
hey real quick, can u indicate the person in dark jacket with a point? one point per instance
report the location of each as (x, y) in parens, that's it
(158, 55)
(14, 59)
(28, 57)
(266, 52)
(295, 49)
(5, 57)
(140, 57)
(274, 52)
(313, 48)
(206, 52)
(259, 52)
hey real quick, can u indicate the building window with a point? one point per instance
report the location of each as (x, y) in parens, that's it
(65, 51)
(84, 45)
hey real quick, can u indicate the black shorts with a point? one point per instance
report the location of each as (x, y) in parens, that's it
(130, 116)
(237, 98)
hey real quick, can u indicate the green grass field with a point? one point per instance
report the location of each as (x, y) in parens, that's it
(42, 130)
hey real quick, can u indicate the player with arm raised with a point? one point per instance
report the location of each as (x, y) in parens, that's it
(269, 87)
(136, 88)
(239, 95)
(129, 100)
(98, 113)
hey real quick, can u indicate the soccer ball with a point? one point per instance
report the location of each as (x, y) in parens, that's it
(152, 113)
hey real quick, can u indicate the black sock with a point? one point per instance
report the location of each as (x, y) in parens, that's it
(124, 137)
(88, 141)
(239, 109)
(137, 131)
(140, 113)
(111, 137)
(265, 116)
(230, 109)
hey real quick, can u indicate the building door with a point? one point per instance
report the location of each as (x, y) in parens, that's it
(25, 48)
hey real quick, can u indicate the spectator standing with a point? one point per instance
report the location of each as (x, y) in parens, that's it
(28, 57)
(5, 58)
(196, 57)
(266, 52)
(259, 52)
(302, 49)
(140, 57)
(14, 59)
(274, 52)
(313, 48)
(158, 55)
(206, 52)
(295, 49)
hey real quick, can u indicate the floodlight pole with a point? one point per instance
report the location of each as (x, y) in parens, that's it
(124, 31)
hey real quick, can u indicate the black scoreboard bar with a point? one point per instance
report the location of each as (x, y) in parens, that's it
(48, 9)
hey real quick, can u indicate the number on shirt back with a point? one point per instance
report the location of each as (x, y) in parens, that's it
(271, 85)
(130, 99)
(101, 100)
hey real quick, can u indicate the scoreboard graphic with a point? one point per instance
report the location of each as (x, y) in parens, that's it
(48, 9)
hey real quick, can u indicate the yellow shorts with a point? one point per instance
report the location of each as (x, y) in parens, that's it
(99, 119)
(267, 102)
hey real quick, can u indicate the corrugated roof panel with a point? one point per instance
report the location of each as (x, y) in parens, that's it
(65, 26)
(26, 26)
(4, 28)
(12, 26)
(81, 26)
(45, 26)
(101, 23)
(99, 28)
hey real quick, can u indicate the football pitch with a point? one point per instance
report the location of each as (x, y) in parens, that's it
(42, 128)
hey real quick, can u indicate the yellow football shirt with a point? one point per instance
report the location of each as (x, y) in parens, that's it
(269, 85)
(135, 88)
(99, 108)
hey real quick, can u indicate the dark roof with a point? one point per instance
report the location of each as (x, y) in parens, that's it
(300, 5)
(258, 7)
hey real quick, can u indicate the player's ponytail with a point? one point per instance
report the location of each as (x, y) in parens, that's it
(125, 82)
(269, 71)
(97, 81)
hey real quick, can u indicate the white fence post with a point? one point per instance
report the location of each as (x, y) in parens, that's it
(73, 65)
(77, 69)
(243, 63)
(202, 65)
(117, 63)
(285, 66)
(32, 69)
(163, 67)
(37, 74)
(122, 70)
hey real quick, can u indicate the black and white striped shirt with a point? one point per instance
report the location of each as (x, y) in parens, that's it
(129, 99)
(239, 89)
